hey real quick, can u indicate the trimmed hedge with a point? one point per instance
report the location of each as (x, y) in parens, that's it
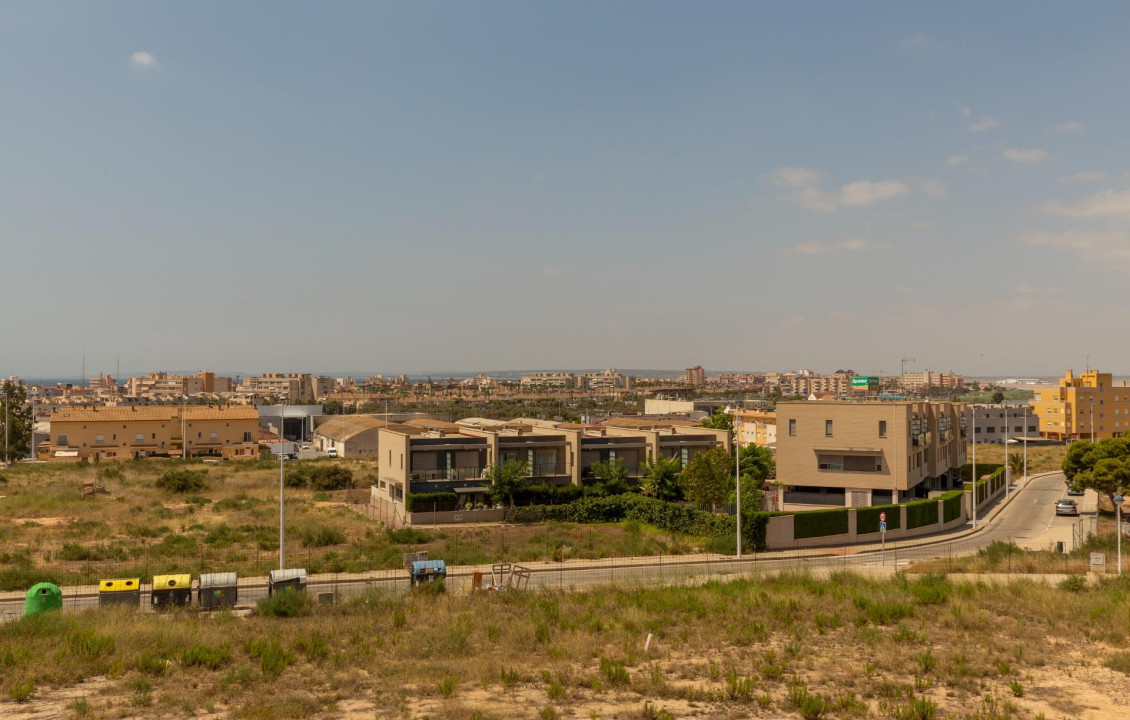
(920, 513)
(671, 516)
(982, 470)
(426, 502)
(951, 505)
(546, 494)
(820, 523)
(867, 518)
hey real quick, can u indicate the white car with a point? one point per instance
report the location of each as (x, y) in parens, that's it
(332, 452)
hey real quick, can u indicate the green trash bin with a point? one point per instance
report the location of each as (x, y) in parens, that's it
(43, 597)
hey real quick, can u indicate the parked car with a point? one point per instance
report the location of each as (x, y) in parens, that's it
(332, 452)
(1071, 490)
(1066, 506)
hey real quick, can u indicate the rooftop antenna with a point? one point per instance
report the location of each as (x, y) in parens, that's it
(1088, 362)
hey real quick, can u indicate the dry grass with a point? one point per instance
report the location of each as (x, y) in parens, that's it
(1041, 458)
(49, 532)
(785, 646)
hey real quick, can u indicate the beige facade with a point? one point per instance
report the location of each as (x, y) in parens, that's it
(694, 376)
(121, 433)
(867, 453)
(293, 388)
(926, 379)
(1081, 408)
(350, 435)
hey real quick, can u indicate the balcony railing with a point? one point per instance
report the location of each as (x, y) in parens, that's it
(549, 469)
(461, 473)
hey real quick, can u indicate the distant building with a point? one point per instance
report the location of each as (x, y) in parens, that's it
(1079, 408)
(122, 433)
(754, 427)
(925, 380)
(295, 388)
(994, 423)
(695, 376)
(867, 453)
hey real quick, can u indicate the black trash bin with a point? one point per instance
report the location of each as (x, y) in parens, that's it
(293, 579)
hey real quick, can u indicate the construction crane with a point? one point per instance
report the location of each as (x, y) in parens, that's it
(902, 371)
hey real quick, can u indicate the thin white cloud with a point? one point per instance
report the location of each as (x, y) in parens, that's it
(1088, 177)
(142, 60)
(983, 123)
(1026, 157)
(791, 176)
(865, 192)
(1072, 126)
(934, 188)
(918, 39)
(1106, 204)
(1109, 248)
(850, 245)
(957, 160)
(857, 194)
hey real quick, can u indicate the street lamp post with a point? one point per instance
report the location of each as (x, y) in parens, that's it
(738, 481)
(1006, 469)
(282, 500)
(1118, 528)
(974, 434)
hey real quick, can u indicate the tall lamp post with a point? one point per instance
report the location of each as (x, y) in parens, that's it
(738, 481)
(1006, 469)
(1118, 528)
(282, 501)
(974, 434)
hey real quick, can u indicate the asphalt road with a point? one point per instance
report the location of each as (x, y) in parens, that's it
(1027, 519)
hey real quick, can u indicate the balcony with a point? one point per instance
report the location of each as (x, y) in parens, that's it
(549, 469)
(462, 473)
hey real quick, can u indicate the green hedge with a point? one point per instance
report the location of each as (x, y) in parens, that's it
(951, 505)
(921, 513)
(983, 469)
(867, 518)
(820, 523)
(545, 494)
(670, 516)
(426, 502)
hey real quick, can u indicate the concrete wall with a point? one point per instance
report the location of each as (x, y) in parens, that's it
(455, 517)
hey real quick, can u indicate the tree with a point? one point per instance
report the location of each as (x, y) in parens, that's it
(707, 478)
(998, 397)
(975, 386)
(612, 476)
(661, 479)
(756, 465)
(506, 479)
(720, 420)
(17, 423)
(1102, 466)
(1016, 464)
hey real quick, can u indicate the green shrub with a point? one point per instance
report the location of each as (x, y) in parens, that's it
(867, 518)
(921, 513)
(182, 481)
(407, 536)
(206, 656)
(320, 536)
(426, 502)
(86, 643)
(1073, 583)
(614, 672)
(273, 657)
(78, 552)
(150, 664)
(285, 603)
(546, 494)
(21, 691)
(931, 589)
(1119, 662)
(331, 477)
(820, 523)
(314, 647)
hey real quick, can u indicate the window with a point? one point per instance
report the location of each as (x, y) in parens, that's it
(246, 437)
(62, 440)
(828, 428)
(792, 427)
(212, 437)
(882, 428)
(830, 462)
(140, 437)
(99, 439)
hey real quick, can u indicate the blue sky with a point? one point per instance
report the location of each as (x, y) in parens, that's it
(461, 186)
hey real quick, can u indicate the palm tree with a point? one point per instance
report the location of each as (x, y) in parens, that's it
(1016, 464)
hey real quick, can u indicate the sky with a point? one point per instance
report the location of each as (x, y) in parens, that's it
(461, 186)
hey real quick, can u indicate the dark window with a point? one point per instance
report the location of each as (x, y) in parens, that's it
(792, 427)
(828, 428)
(883, 428)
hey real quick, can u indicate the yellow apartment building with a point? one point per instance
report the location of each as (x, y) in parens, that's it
(127, 432)
(1091, 406)
(755, 427)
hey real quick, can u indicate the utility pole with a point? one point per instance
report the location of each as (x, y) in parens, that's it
(738, 475)
(1006, 469)
(974, 465)
(282, 501)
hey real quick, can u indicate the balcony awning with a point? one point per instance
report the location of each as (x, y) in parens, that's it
(469, 490)
(849, 450)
